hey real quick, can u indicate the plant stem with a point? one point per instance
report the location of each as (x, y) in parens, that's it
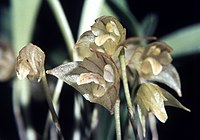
(50, 104)
(56, 96)
(117, 119)
(126, 88)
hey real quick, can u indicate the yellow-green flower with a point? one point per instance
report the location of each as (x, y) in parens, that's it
(151, 98)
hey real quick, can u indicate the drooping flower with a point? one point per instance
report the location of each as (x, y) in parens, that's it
(151, 98)
(153, 63)
(30, 63)
(96, 78)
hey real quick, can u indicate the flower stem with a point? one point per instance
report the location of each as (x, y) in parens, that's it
(126, 88)
(117, 119)
(55, 99)
(50, 104)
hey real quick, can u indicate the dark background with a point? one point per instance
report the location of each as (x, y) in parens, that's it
(173, 15)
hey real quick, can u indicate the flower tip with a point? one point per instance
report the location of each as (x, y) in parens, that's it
(162, 116)
(39, 79)
(179, 93)
(164, 119)
(48, 72)
(187, 109)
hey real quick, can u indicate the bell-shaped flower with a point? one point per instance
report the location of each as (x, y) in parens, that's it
(30, 63)
(148, 60)
(106, 35)
(151, 98)
(152, 63)
(96, 78)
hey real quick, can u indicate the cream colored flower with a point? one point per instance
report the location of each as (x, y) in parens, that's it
(109, 34)
(148, 60)
(106, 35)
(96, 78)
(152, 98)
(30, 62)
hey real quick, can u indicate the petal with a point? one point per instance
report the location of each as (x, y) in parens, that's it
(150, 95)
(172, 101)
(22, 72)
(170, 77)
(85, 43)
(165, 58)
(100, 40)
(87, 77)
(142, 113)
(112, 27)
(151, 66)
(98, 28)
(108, 74)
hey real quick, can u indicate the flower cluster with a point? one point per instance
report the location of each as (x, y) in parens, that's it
(152, 62)
(97, 75)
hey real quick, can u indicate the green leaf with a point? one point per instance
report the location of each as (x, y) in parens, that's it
(107, 10)
(184, 41)
(91, 10)
(149, 24)
(121, 9)
(24, 14)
